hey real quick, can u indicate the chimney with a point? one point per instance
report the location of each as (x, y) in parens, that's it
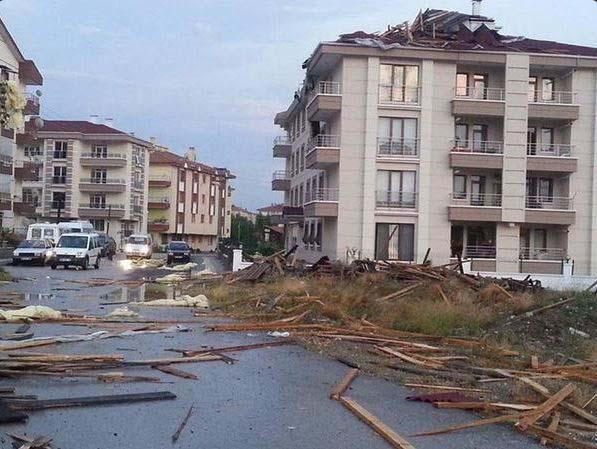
(109, 121)
(191, 154)
(152, 140)
(94, 118)
(476, 7)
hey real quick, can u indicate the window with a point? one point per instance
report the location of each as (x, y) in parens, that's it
(193, 217)
(461, 135)
(100, 151)
(60, 148)
(58, 200)
(532, 89)
(302, 157)
(212, 210)
(212, 190)
(99, 224)
(99, 175)
(59, 175)
(395, 241)
(480, 138)
(301, 198)
(532, 140)
(539, 189)
(181, 185)
(547, 89)
(203, 198)
(462, 84)
(211, 219)
(397, 136)
(399, 83)
(98, 201)
(547, 140)
(480, 86)
(396, 188)
(202, 218)
(459, 187)
(32, 151)
(195, 187)
(540, 238)
(29, 197)
(204, 178)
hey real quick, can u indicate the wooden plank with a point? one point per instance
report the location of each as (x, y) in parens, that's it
(478, 423)
(91, 400)
(344, 384)
(442, 294)
(534, 362)
(448, 388)
(483, 406)
(174, 371)
(543, 409)
(407, 358)
(10, 416)
(560, 439)
(376, 424)
(553, 426)
(182, 425)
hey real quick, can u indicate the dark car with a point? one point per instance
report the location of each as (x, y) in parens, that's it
(32, 251)
(178, 251)
(108, 245)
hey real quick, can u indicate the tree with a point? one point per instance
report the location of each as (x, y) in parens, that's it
(243, 232)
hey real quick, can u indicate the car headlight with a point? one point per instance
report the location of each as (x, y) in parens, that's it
(15, 253)
(170, 254)
(80, 254)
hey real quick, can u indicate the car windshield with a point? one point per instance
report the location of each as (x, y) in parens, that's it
(32, 244)
(72, 241)
(179, 246)
(138, 240)
(36, 233)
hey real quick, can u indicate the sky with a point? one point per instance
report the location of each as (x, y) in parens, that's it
(213, 73)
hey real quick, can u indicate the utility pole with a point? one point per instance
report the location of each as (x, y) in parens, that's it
(109, 215)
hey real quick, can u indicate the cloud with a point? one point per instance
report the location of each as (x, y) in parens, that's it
(203, 28)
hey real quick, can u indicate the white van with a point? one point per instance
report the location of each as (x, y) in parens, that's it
(77, 249)
(138, 245)
(53, 231)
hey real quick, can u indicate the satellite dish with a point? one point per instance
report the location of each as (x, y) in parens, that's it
(39, 93)
(38, 122)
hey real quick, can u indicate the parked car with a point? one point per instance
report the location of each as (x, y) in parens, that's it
(32, 251)
(178, 251)
(138, 245)
(77, 250)
(108, 245)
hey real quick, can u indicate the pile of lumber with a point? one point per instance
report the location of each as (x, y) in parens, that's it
(275, 265)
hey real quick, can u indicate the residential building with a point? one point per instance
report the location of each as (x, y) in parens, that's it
(188, 200)
(446, 135)
(83, 170)
(22, 73)
(273, 211)
(245, 213)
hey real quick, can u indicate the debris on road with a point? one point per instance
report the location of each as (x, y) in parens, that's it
(199, 301)
(30, 313)
(182, 425)
(183, 267)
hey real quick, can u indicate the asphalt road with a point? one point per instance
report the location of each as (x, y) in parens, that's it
(270, 398)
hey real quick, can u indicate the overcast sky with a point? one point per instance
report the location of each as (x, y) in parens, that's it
(212, 73)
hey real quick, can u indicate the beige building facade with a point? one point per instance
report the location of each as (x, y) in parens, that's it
(188, 200)
(444, 135)
(83, 170)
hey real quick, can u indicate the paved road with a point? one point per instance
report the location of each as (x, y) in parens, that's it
(270, 398)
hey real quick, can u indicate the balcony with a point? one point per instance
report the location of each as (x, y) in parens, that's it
(6, 164)
(391, 95)
(553, 157)
(103, 160)
(559, 105)
(327, 101)
(542, 260)
(396, 200)
(282, 147)
(29, 171)
(137, 209)
(477, 154)
(158, 202)
(32, 105)
(5, 201)
(322, 203)
(102, 185)
(476, 101)
(101, 210)
(292, 214)
(549, 210)
(28, 210)
(323, 151)
(159, 226)
(159, 181)
(397, 148)
(281, 180)
(475, 207)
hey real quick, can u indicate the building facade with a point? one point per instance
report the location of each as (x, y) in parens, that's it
(188, 200)
(21, 73)
(444, 135)
(83, 170)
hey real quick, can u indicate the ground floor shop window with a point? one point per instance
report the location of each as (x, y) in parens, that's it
(395, 241)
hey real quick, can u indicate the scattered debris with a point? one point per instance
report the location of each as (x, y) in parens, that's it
(123, 312)
(199, 301)
(31, 313)
(182, 425)
(184, 267)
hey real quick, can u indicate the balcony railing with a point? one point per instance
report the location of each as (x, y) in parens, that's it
(328, 88)
(137, 208)
(480, 251)
(280, 175)
(400, 200)
(58, 179)
(542, 253)
(104, 155)
(281, 140)
(548, 202)
(397, 147)
(32, 98)
(5, 159)
(556, 96)
(549, 149)
(330, 195)
(391, 94)
(324, 141)
(105, 206)
(103, 181)
(159, 199)
(159, 178)
(480, 93)
(478, 146)
(476, 199)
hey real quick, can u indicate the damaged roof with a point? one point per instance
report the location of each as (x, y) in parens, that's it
(453, 30)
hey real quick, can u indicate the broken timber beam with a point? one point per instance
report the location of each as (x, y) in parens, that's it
(541, 410)
(344, 384)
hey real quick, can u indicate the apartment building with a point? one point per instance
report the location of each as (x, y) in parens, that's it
(188, 200)
(245, 213)
(83, 170)
(447, 135)
(17, 74)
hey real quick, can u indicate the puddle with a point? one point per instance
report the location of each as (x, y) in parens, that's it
(35, 297)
